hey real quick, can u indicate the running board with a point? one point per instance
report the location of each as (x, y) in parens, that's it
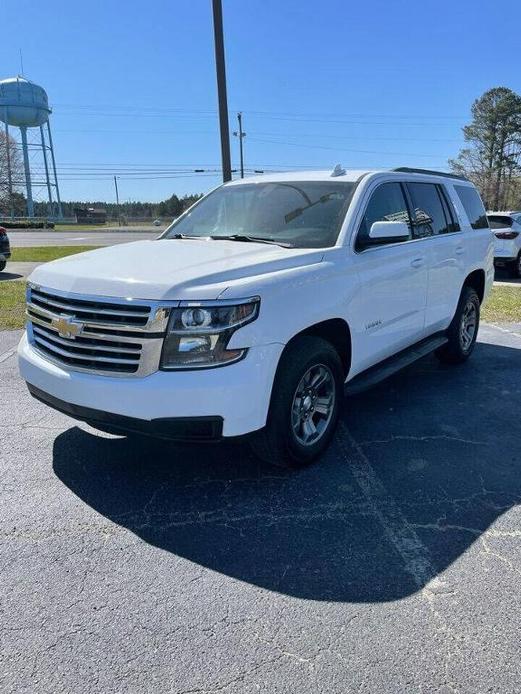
(376, 374)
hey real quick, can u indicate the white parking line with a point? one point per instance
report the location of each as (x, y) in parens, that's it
(404, 538)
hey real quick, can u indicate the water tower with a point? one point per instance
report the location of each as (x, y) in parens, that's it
(24, 105)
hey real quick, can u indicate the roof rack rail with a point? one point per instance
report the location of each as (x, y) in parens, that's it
(406, 169)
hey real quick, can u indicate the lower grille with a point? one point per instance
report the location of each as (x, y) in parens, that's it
(105, 336)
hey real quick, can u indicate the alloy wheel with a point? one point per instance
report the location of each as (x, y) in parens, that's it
(313, 404)
(468, 326)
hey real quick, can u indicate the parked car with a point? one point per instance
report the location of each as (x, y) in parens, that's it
(157, 222)
(507, 246)
(257, 307)
(5, 248)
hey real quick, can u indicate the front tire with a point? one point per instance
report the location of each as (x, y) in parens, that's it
(305, 403)
(463, 330)
(3, 263)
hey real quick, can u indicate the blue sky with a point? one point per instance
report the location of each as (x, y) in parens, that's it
(376, 83)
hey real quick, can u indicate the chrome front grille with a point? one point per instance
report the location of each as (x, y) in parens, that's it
(91, 310)
(97, 334)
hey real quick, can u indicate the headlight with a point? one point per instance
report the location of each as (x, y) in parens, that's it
(198, 333)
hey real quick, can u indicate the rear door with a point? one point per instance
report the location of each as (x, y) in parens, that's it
(387, 313)
(435, 222)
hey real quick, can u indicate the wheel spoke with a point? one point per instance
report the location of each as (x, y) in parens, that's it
(319, 378)
(323, 405)
(309, 429)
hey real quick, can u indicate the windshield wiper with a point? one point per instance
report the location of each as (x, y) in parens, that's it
(251, 239)
(181, 236)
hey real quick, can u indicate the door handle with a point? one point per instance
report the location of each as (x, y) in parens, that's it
(417, 262)
(460, 250)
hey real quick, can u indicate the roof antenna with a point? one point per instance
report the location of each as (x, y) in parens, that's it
(338, 171)
(21, 63)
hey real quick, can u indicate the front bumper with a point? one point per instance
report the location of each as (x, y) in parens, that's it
(238, 394)
(176, 428)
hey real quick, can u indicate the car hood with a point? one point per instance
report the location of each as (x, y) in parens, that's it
(168, 268)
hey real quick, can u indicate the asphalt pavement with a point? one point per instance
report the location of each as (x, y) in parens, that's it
(48, 237)
(392, 565)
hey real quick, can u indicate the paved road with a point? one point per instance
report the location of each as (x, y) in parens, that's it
(77, 238)
(392, 566)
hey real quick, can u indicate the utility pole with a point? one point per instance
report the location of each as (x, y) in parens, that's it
(241, 135)
(117, 199)
(221, 89)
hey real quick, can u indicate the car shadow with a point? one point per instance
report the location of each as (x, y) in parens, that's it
(4, 276)
(439, 448)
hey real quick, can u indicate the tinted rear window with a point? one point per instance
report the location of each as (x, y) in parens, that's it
(499, 221)
(473, 206)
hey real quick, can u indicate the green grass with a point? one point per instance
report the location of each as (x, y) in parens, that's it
(42, 254)
(503, 305)
(12, 305)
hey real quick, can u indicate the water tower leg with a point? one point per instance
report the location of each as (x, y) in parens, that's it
(60, 212)
(28, 187)
(9, 173)
(47, 179)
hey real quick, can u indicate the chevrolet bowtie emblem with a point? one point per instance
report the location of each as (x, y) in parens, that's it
(67, 327)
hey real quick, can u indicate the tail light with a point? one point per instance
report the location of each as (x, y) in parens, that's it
(507, 235)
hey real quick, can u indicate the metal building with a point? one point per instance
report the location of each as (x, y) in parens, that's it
(24, 105)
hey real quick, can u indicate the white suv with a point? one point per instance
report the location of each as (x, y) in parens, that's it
(258, 306)
(507, 248)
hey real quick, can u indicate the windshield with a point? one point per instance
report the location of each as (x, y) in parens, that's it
(298, 214)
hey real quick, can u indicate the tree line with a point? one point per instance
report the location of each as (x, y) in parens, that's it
(492, 157)
(166, 209)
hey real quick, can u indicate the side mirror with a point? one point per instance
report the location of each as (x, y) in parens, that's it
(382, 232)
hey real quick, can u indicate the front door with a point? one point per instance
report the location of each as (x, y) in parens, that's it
(388, 311)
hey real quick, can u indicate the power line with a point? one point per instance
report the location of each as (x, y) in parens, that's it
(339, 149)
(121, 108)
(260, 132)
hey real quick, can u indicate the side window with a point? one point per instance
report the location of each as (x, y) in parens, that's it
(428, 215)
(387, 204)
(499, 221)
(450, 212)
(473, 206)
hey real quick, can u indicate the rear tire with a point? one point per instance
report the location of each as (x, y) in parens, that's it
(463, 330)
(3, 263)
(305, 402)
